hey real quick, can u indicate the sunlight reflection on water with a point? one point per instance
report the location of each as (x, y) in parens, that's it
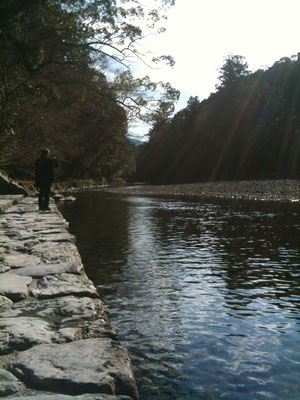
(205, 297)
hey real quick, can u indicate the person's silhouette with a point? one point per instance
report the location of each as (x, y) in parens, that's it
(44, 177)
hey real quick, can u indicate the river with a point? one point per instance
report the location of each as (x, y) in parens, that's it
(205, 296)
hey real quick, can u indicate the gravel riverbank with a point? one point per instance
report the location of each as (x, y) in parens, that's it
(273, 190)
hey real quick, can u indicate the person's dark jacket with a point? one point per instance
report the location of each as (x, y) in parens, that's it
(44, 174)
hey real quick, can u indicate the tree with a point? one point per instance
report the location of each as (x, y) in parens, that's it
(234, 67)
(87, 133)
(247, 130)
(37, 35)
(49, 45)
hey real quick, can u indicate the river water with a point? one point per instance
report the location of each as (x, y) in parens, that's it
(205, 296)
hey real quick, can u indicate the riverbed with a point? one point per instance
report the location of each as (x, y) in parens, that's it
(204, 294)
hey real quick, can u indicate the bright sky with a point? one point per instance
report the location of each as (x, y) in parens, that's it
(201, 32)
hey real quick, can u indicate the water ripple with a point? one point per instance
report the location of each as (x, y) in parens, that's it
(206, 297)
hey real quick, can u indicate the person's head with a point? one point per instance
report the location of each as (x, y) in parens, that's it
(45, 152)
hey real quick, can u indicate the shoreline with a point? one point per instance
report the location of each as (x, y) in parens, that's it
(277, 191)
(56, 338)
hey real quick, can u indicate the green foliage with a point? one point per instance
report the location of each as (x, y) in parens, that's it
(248, 130)
(233, 69)
(139, 96)
(59, 85)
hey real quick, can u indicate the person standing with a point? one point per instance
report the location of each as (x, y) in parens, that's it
(44, 177)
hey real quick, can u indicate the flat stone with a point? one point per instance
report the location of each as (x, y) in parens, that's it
(57, 320)
(50, 231)
(85, 366)
(16, 198)
(5, 204)
(10, 233)
(5, 303)
(64, 285)
(4, 340)
(4, 268)
(56, 252)
(9, 384)
(14, 246)
(49, 225)
(50, 219)
(21, 234)
(16, 221)
(57, 237)
(58, 197)
(12, 214)
(23, 333)
(84, 330)
(29, 244)
(7, 201)
(97, 329)
(66, 309)
(69, 198)
(3, 238)
(86, 396)
(13, 286)
(38, 271)
(20, 260)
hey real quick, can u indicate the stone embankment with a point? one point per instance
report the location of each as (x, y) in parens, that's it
(56, 341)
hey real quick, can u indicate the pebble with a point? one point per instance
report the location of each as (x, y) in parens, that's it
(272, 190)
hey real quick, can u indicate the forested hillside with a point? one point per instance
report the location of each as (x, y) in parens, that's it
(66, 84)
(248, 129)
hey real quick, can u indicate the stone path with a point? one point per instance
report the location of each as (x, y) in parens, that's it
(7, 201)
(56, 341)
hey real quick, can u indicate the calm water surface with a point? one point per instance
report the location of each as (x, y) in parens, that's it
(206, 297)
